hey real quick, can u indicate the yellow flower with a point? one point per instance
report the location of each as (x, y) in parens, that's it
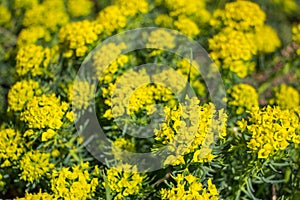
(164, 20)
(49, 14)
(285, 96)
(41, 196)
(234, 50)
(186, 26)
(21, 93)
(267, 40)
(80, 94)
(124, 181)
(34, 165)
(32, 34)
(272, 129)
(32, 59)
(73, 184)
(239, 15)
(5, 15)
(132, 7)
(79, 8)
(25, 4)
(112, 19)
(161, 39)
(119, 148)
(48, 135)
(79, 36)
(11, 146)
(242, 97)
(194, 10)
(45, 111)
(188, 186)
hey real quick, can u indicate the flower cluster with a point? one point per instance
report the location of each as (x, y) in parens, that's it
(242, 35)
(21, 92)
(296, 35)
(32, 59)
(45, 111)
(205, 124)
(35, 164)
(160, 39)
(124, 181)
(272, 129)
(49, 14)
(114, 17)
(239, 15)
(80, 94)
(79, 36)
(286, 97)
(11, 146)
(79, 8)
(74, 183)
(190, 187)
(233, 50)
(184, 16)
(242, 97)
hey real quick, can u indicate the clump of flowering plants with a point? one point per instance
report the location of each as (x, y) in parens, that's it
(149, 99)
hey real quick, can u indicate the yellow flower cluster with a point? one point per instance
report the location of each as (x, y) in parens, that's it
(79, 36)
(239, 15)
(195, 9)
(164, 20)
(11, 146)
(25, 4)
(140, 95)
(5, 15)
(110, 72)
(124, 181)
(34, 165)
(146, 96)
(80, 94)
(33, 34)
(103, 57)
(41, 196)
(186, 26)
(114, 17)
(45, 111)
(183, 15)
(32, 59)
(79, 8)
(118, 147)
(188, 187)
(161, 39)
(21, 92)
(242, 97)
(48, 135)
(50, 14)
(131, 8)
(296, 35)
(273, 129)
(205, 124)
(267, 40)
(73, 184)
(286, 97)
(242, 35)
(233, 50)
